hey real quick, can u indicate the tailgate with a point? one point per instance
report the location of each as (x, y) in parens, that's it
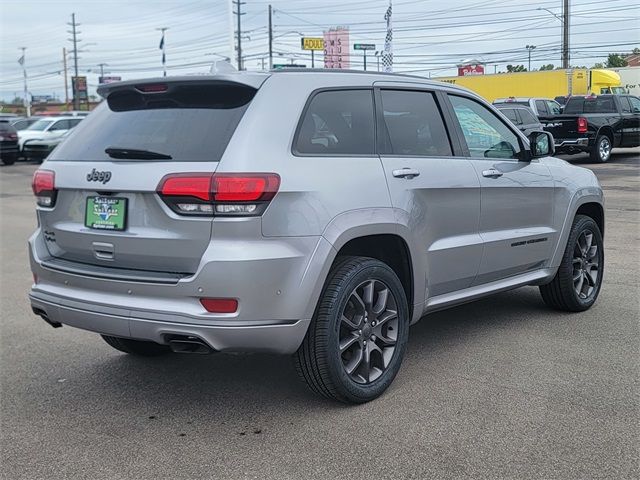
(107, 211)
(152, 236)
(562, 127)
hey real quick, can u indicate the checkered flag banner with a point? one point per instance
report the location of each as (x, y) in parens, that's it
(387, 53)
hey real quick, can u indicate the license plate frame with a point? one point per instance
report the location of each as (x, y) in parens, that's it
(106, 213)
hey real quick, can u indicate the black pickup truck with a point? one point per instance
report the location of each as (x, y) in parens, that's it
(595, 124)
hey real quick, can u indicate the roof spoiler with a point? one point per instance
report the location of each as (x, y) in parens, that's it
(253, 80)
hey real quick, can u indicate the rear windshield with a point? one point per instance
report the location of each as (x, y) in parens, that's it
(188, 124)
(590, 105)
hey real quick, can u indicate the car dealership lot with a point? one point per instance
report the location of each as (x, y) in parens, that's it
(501, 388)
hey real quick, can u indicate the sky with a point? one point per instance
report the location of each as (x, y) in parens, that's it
(430, 37)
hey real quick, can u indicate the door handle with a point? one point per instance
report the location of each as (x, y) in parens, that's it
(406, 172)
(492, 173)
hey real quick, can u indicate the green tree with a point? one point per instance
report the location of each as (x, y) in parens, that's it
(599, 65)
(636, 51)
(516, 68)
(549, 66)
(616, 60)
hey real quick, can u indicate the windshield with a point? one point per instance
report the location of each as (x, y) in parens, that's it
(40, 125)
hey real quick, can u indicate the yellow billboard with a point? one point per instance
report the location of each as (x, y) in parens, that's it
(312, 43)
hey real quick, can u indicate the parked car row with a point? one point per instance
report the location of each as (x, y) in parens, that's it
(33, 138)
(593, 124)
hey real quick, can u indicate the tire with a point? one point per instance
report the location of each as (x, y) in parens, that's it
(601, 150)
(136, 347)
(562, 292)
(385, 329)
(9, 159)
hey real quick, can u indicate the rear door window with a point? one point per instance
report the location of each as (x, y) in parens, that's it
(414, 124)
(189, 123)
(337, 122)
(625, 104)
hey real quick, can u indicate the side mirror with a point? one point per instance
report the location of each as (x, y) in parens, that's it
(541, 144)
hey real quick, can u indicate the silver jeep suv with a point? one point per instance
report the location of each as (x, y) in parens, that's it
(313, 213)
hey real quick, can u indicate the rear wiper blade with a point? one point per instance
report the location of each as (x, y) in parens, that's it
(134, 154)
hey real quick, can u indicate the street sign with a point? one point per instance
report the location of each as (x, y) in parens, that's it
(312, 43)
(41, 98)
(364, 46)
(280, 66)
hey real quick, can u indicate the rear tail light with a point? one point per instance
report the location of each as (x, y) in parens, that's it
(44, 187)
(229, 194)
(582, 125)
(220, 305)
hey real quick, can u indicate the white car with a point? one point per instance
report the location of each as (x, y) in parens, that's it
(47, 128)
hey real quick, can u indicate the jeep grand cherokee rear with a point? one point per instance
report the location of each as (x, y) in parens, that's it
(318, 214)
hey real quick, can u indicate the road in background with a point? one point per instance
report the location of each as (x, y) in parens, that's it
(500, 388)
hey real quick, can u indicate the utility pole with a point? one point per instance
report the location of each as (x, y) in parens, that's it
(271, 40)
(74, 82)
(25, 101)
(565, 35)
(529, 48)
(102, 65)
(239, 14)
(66, 86)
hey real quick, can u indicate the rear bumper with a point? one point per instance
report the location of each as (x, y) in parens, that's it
(276, 292)
(282, 337)
(572, 144)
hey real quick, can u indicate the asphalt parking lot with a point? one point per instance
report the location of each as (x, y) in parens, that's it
(501, 388)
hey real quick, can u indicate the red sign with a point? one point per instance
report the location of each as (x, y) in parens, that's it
(470, 70)
(336, 48)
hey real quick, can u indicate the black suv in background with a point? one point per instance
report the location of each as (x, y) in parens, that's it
(8, 144)
(595, 124)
